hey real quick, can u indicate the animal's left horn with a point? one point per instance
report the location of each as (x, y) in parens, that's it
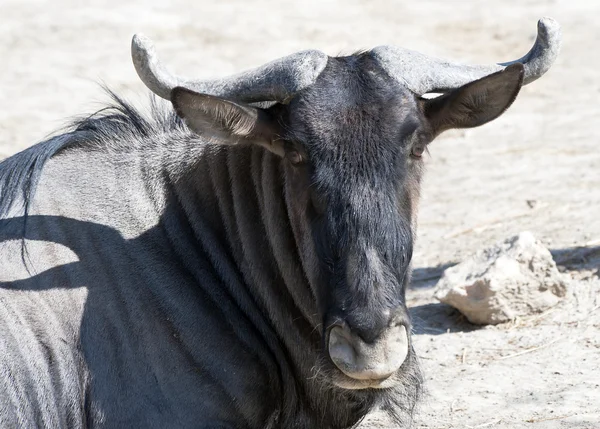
(423, 74)
(274, 81)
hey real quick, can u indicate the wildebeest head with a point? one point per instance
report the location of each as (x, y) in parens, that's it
(351, 132)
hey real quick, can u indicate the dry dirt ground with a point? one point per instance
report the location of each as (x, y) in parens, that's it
(537, 168)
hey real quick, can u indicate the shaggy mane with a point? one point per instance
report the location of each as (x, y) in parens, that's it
(117, 126)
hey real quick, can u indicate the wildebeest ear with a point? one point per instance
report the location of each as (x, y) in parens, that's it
(229, 122)
(476, 103)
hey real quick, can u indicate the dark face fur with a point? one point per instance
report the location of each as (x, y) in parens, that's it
(352, 144)
(358, 136)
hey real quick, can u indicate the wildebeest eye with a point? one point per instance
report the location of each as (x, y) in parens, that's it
(295, 153)
(417, 150)
(294, 157)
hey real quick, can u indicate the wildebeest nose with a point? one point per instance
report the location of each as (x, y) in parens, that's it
(360, 360)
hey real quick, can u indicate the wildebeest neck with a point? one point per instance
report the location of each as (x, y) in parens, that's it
(241, 194)
(238, 193)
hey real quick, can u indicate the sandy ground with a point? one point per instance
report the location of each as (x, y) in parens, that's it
(537, 168)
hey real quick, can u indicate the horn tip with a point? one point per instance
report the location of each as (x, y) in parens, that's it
(548, 22)
(139, 42)
(549, 27)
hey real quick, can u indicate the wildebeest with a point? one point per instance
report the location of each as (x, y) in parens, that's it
(240, 260)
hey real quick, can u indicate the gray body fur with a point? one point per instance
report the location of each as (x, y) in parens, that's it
(152, 278)
(161, 293)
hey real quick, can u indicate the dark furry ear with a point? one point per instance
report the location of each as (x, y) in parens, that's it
(230, 122)
(476, 103)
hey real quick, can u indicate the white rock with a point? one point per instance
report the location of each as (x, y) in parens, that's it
(514, 278)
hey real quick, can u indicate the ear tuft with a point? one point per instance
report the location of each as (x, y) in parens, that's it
(204, 113)
(227, 121)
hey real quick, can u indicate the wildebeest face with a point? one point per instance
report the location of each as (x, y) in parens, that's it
(352, 145)
(359, 138)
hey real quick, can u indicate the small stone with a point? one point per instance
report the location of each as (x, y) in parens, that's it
(514, 278)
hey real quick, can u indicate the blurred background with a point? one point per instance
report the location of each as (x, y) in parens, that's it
(536, 168)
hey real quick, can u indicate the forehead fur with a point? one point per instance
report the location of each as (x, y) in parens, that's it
(354, 122)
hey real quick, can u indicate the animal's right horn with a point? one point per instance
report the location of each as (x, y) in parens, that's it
(423, 74)
(274, 81)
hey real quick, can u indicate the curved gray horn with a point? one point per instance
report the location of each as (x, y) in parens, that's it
(274, 81)
(423, 74)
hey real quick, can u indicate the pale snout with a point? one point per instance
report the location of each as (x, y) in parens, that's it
(373, 361)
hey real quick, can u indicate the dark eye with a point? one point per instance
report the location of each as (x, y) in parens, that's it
(294, 157)
(417, 150)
